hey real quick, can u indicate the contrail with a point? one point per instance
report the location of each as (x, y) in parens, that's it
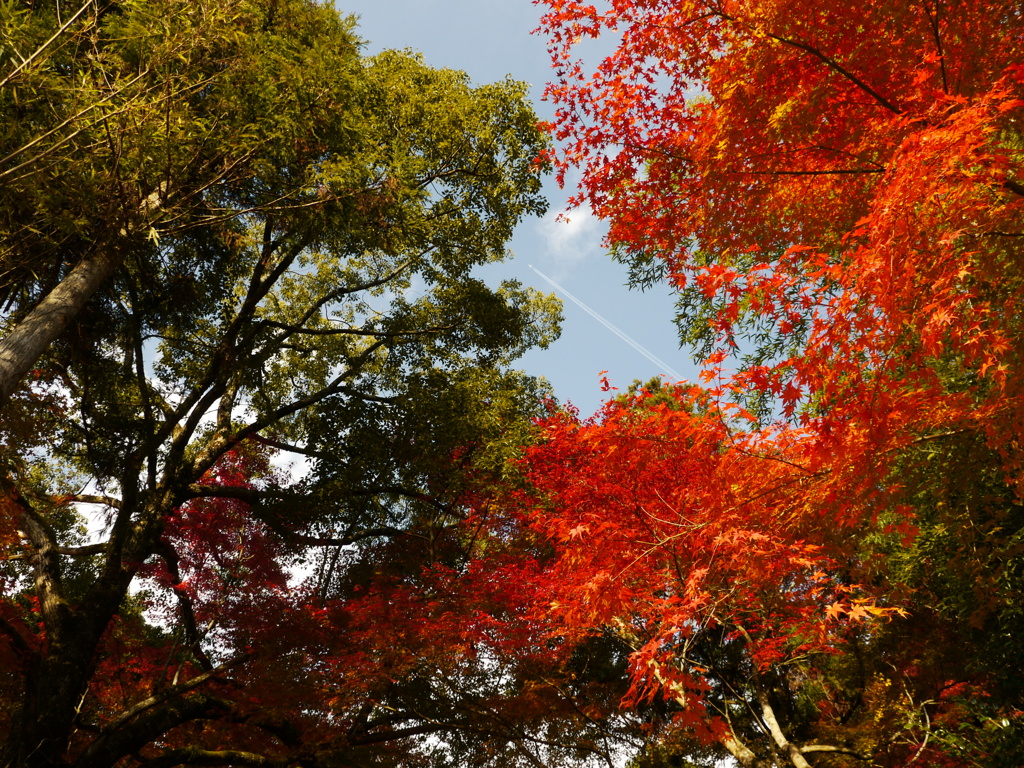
(634, 344)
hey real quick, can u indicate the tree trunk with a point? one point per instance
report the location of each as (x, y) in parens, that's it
(29, 338)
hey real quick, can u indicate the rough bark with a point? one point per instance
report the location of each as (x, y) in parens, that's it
(30, 337)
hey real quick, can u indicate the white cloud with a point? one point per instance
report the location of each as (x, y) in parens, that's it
(570, 236)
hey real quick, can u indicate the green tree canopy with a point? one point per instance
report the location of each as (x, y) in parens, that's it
(136, 131)
(228, 236)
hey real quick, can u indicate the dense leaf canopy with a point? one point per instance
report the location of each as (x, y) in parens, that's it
(272, 496)
(241, 479)
(836, 192)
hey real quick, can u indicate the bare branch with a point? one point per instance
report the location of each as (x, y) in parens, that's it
(400, 733)
(42, 48)
(174, 690)
(829, 748)
(223, 443)
(86, 551)
(829, 62)
(287, 447)
(837, 172)
(933, 22)
(196, 756)
(296, 329)
(86, 498)
(186, 609)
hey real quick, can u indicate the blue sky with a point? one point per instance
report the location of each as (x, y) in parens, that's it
(490, 39)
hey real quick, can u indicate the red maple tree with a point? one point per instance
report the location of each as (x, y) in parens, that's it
(836, 193)
(848, 173)
(756, 627)
(232, 652)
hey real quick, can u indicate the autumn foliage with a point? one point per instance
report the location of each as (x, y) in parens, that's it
(846, 173)
(836, 192)
(257, 389)
(356, 656)
(813, 558)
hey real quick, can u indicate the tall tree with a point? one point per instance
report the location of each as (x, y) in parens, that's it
(843, 181)
(288, 232)
(756, 633)
(126, 123)
(836, 193)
